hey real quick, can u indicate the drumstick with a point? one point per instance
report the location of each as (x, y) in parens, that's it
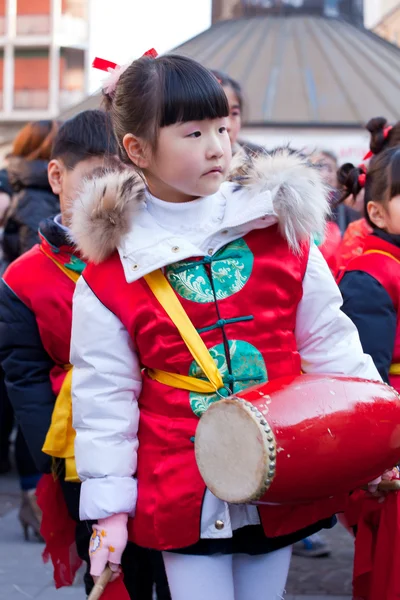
(101, 584)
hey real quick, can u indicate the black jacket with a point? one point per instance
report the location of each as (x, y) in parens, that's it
(32, 202)
(371, 309)
(26, 364)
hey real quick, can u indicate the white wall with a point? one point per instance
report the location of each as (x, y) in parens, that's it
(374, 10)
(349, 145)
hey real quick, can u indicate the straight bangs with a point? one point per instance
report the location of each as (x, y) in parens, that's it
(190, 92)
(395, 174)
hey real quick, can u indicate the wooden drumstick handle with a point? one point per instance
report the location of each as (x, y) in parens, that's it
(101, 584)
(389, 486)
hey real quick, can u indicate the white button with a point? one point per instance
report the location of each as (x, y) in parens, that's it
(175, 249)
(135, 267)
(211, 251)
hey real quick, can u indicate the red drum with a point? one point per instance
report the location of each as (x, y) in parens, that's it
(298, 439)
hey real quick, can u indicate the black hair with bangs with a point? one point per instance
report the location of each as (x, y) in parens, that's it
(158, 92)
(190, 92)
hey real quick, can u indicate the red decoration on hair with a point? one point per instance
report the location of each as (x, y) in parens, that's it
(152, 52)
(361, 179)
(102, 64)
(386, 132)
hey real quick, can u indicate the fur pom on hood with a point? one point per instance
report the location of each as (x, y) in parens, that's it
(299, 196)
(103, 214)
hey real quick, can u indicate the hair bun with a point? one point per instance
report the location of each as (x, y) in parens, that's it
(376, 128)
(349, 178)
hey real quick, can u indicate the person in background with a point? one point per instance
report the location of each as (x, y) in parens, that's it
(234, 95)
(341, 215)
(370, 282)
(6, 413)
(33, 199)
(352, 181)
(370, 286)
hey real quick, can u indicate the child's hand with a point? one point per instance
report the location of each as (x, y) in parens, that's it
(107, 544)
(389, 475)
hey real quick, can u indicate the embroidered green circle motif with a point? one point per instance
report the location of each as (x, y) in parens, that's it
(231, 268)
(248, 368)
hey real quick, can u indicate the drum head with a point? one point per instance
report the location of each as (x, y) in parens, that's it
(233, 451)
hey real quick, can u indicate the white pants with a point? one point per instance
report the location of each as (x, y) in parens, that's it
(229, 576)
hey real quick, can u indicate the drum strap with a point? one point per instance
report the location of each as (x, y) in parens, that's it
(164, 293)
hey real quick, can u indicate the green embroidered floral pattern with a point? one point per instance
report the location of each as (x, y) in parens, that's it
(248, 369)
(231, 268)
(76, 264)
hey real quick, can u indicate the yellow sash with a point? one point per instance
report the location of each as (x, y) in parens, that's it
(162, 290)
(383, 254)
(60, 437)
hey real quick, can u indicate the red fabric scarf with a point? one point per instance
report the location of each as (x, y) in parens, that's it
(58, 531)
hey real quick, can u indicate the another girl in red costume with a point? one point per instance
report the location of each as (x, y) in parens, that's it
(232, 241)
(352, 181)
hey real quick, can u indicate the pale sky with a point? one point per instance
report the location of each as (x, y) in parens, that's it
(122, 30)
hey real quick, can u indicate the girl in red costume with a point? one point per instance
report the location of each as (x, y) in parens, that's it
(383, 136)
(370, 286)
(231, 244)
(370, 283)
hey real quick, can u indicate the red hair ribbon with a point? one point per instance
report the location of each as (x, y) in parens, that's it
(363, 175)
(105, 65)
(361, 179)
(386, 132)
(152, 52)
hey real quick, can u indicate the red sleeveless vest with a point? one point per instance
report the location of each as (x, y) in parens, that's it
(48, 293)
(381, 260)
(243, 301)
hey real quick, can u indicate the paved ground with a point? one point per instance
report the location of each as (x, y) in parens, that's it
(23, 575)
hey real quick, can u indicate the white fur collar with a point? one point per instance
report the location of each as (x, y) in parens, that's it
(105, 211)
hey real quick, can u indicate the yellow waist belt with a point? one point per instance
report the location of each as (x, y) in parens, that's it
(394, 369)
(60, 438)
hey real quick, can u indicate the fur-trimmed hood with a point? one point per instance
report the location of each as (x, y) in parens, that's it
(103, 215)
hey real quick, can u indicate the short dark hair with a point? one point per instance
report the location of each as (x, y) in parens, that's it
(86, 135)
(227, 81)
(157, 92)
(382, 181)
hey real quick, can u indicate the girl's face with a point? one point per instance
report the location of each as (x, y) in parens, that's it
(386, 216)
(235, 114)
(192, 160)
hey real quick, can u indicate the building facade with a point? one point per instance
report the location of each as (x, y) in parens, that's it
(352, 10)
(389, 26)
(44, 46)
